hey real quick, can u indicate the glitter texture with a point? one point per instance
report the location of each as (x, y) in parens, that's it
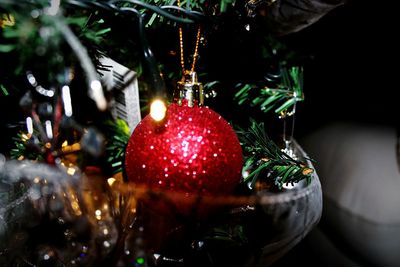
(193, 150)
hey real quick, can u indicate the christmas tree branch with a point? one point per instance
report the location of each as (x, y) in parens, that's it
(281, 98)
(264, 159)
(117, 138)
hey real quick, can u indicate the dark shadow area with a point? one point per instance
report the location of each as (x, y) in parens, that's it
(351, 78)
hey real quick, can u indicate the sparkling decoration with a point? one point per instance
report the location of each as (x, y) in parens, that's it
(194, 150)
(58, 215)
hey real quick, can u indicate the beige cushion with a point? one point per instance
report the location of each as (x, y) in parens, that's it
(360, 179)
(358, 169)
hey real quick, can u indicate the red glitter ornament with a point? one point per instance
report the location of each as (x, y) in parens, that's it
(193, 150)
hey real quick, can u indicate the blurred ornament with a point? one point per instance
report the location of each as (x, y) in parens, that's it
(58, 216)
(92, 142)
(99, 209)
(193, 150)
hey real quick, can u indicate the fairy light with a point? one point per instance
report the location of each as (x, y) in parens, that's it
(66, 97)
(140, 260)
(32, 79)
(75, 207)
(98, 214)
(97, 94)
(158, 110)
(111, 181)
(71, 171)
(29, 125)
(49, 129)
(25, 137)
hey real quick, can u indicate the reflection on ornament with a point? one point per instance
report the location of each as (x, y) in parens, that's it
(158, 110)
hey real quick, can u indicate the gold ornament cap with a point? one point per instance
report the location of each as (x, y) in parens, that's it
(190, 90)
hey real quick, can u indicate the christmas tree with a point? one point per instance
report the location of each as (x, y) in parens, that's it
(211, 176)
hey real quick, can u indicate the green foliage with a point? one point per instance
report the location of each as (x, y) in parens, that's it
(34, 42)
(5, 48)
(26, 147)
(227, 235)
(3, 90)
(225, 4)
(117, 138)
(32, 38)
(281, 99)
(208, 7)
(265, 160)
(199, 5)
(90, 28)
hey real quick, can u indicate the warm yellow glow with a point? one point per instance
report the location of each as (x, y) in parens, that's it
(7, 20)
(111, 181)
(71, 171)
(158, 110)
(98, 214)
(70, 148)
(75, 207)
(25, 137)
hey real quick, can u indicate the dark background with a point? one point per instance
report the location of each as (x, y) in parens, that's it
(352, 75)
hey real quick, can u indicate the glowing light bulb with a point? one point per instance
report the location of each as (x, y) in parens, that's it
(111, 181)
(66, 97)
(158, 110)
(97, 94)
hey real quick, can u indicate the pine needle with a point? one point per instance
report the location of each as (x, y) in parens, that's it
(264, 159)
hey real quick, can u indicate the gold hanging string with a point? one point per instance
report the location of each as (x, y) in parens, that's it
(196, 48)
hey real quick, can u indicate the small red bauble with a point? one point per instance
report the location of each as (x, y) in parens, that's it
(194, 150)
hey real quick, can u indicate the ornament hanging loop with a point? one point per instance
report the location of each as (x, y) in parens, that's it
(189, 90)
